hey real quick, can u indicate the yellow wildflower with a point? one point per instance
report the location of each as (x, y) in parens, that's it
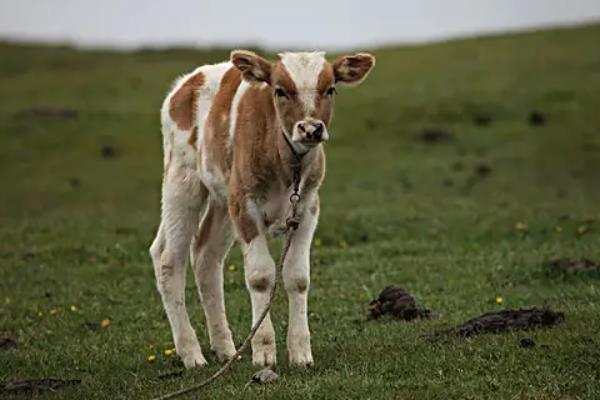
(343, 244)
(499, 300)
(73, 308)
(151, 358)
(169, 352)
(54, 311)
(40, 314)
(520, 226)
(317, 242)
(232, 267)
(105, 323)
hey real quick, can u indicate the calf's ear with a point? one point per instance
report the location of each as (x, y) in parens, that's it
(352, 70)
(253, 67)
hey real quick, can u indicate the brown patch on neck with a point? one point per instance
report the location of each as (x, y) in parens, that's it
(183, 102)
(216, 136)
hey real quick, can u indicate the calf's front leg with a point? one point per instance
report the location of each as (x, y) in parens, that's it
(296, 278)
(260, 278)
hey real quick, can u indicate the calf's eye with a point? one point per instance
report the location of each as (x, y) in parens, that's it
(279, 92)
(331, 91)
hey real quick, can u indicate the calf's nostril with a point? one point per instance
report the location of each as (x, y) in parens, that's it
(318, 132)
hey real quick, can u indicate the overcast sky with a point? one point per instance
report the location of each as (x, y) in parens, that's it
(310, 24)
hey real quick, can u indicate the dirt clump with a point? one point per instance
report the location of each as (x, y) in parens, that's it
(108, 152)
(527, 343)
(503, 321)
(91, 326)
(482, 120)
(536, 118)
(572, 265)
(396, 303)
(435, 136)
(7, 341)
(37, 385)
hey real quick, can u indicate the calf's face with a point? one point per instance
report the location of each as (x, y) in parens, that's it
(303, 87)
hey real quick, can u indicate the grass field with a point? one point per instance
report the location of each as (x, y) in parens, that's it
(79, 206)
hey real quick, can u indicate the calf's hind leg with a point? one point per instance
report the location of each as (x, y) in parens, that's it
(182, 201)
(209, 248)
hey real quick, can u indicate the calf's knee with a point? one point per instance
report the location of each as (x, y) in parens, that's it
(261, 279)
(296, 283)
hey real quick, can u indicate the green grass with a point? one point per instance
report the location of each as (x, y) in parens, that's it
(404, 207)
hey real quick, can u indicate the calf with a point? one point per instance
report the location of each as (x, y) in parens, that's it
(232, 133)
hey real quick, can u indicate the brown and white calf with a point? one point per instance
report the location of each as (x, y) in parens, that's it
(230, 132)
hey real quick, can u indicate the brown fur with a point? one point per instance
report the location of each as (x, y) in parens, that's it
(325, 102)
(353, 69)
(260, 284)
(183, 102)
(255, 155)
(288, 107)
(262, 157)
(193, 137)
(217, 122)
(253, 67)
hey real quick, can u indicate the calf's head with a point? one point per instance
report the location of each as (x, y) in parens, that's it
(303, 88)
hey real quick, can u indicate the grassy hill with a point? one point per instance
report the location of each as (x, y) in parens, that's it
(80, 166)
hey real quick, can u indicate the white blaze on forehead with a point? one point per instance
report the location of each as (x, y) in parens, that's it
(304, 69)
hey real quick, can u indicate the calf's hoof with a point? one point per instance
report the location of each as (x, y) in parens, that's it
(300, 358)
(192, 358)
(264, 353)
(224, 351)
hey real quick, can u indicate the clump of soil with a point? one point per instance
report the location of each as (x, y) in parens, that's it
(74, 182)
(109, 152)
(502, 321)
(569, 265)
(171, 375)
(7, 341)
(482, 120)
(527, 343)
(91, 326)
(37, 385)
(397, 303)
(482, 169)
(536, 118)
(435, 135)
(48, 112)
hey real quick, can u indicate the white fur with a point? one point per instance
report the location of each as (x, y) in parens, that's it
(183, 197)
(304, 69)
(296, 278)
(235, 103)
